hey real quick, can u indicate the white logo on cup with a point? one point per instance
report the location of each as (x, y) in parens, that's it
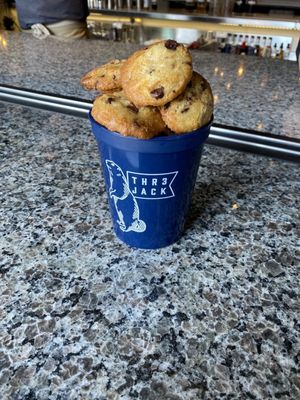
(126, 205)
(125, 190)
(151, 186)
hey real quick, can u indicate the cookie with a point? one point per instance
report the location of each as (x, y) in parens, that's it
(156, 74)
(118, 114)
(192, 109)
(104, 78)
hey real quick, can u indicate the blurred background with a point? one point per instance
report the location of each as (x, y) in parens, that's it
(265, 28)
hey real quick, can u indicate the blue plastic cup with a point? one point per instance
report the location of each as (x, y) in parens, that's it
(149, 183)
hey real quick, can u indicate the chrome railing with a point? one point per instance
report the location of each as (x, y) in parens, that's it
(221, 135)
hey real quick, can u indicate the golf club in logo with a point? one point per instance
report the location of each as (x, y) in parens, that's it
(125, 189)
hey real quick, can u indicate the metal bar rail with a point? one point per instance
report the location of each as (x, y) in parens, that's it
(221, 135)
(45, 101)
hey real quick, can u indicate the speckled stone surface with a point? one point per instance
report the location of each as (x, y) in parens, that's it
(82, 316)
(250, 92)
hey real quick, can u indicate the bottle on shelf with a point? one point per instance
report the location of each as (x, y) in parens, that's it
(154, 4)
(234, 42)
(146, 5)
(274, 51)
(138, 5)
(222, 45)
(231, 41)
(201, 6)
(287, 52)
(238, 6)
(251, 47)
(239, 44)
(228, 44)
(281, 52)
(131, 31)
(263, 47)
(257, 46)
(207, 2)
(116, 31)
(244, 46)
(190, 5)
(118, 4)
(268, 52)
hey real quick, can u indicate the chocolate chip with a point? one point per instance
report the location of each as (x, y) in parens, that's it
(203, 86)
(185, 110)
(158, 93)
(114, 77)
(110, 100)
(133, 108)
(136, 124)
(171, 44)
(166, 106)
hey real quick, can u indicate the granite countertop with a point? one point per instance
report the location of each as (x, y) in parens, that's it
(250, 92)
(84, 317)
(214, 316)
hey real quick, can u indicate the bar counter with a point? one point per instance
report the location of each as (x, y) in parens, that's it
(214, 316)
(250, 92)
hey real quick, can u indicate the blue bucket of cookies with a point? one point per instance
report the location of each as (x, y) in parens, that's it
(149, 183)
(150, 121)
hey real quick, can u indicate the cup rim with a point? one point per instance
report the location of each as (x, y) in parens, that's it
(171, 138)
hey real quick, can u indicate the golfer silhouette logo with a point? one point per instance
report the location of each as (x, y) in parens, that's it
(126, 205)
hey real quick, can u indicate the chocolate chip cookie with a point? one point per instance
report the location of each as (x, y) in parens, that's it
(118, 114)
(104, 78)
(156, 74)
(192, 109)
